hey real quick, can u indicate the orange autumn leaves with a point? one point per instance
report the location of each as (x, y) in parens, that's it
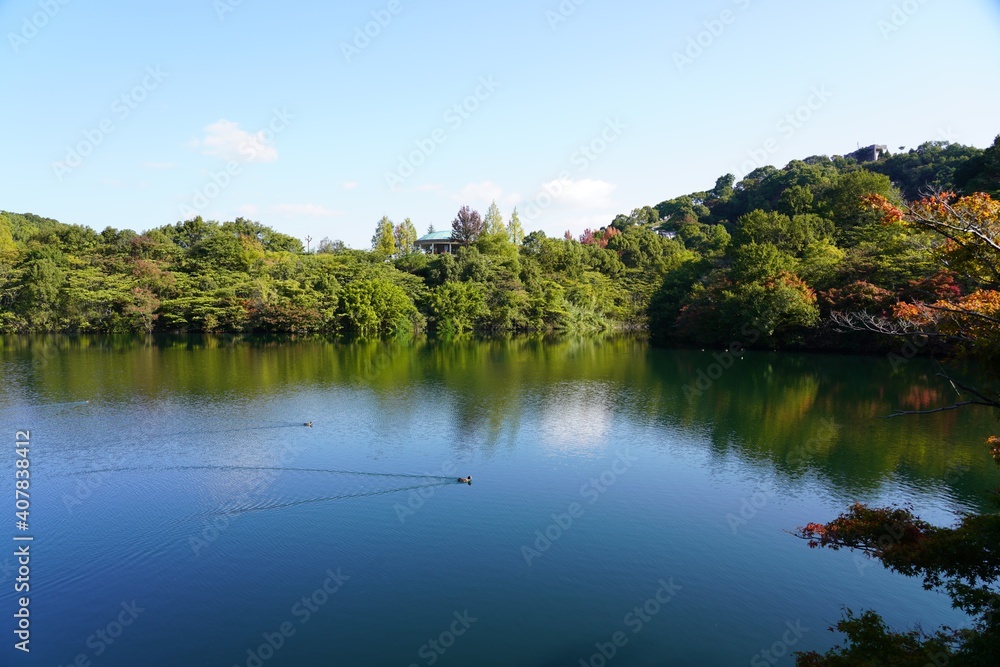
(891, 214)
(970, 227)
(972, 221)
(975, 316)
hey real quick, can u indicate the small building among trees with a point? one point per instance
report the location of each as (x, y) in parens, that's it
(439, 243)
(872, 153)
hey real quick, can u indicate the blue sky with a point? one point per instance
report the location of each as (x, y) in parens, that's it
(137, 115)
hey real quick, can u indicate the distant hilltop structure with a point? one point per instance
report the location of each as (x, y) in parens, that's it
(872, 153)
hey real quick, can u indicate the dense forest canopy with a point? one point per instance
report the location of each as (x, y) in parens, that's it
(763, 261)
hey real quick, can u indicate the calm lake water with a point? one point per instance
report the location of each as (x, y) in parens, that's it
(617, 505)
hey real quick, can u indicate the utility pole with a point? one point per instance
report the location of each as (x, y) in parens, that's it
(308, 242)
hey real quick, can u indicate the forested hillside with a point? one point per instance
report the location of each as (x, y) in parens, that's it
(763, 262)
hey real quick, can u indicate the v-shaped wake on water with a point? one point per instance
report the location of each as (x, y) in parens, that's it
(429, 482)
(223, 468)
(405, 481)
(236, 511)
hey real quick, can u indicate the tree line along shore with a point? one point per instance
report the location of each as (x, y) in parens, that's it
(781, 253)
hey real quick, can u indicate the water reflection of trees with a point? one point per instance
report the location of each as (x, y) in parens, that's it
(765, 409)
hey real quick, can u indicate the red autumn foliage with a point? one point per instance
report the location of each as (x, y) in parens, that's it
(858, 296)
(889, 533)
(942, 286)
(599, 237)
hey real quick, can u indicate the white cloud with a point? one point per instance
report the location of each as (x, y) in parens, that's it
(308, 210)
(350, 185)
(586, 193)
(225, 139)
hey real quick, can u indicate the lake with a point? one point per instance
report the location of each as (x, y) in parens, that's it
(629, 505)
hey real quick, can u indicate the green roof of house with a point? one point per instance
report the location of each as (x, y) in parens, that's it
(435, 236)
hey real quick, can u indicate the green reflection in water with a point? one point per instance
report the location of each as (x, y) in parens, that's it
(796, 413)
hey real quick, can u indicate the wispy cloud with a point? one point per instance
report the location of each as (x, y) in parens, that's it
(225, 139)
(350, 185)
(484, 193)
(475, 192)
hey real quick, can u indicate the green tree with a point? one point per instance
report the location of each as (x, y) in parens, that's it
(7, 245)
(707, 240)
(328, 247)
(493, 222)
(843, 203)
(384, 241)
(268, 238)
(495, 239)
(723, 190)
(457, 307)
(376, 307)
(222, 250)
(981, 173)
(668, 300)
(749, 312)
(820, 264)
(645, 216)
(932, 166)
(514, 229)
(186, 234)
(790, 234)
(797, 200)
(759, 262)
(39, 296)
(406, 236)
(689, 209)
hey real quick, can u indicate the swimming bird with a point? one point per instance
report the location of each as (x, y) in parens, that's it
(465, 480)
(309, 424)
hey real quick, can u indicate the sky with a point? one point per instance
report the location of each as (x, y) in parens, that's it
(318, 118)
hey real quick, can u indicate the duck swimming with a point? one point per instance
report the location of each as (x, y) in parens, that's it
(309, 424)
(465, 480)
